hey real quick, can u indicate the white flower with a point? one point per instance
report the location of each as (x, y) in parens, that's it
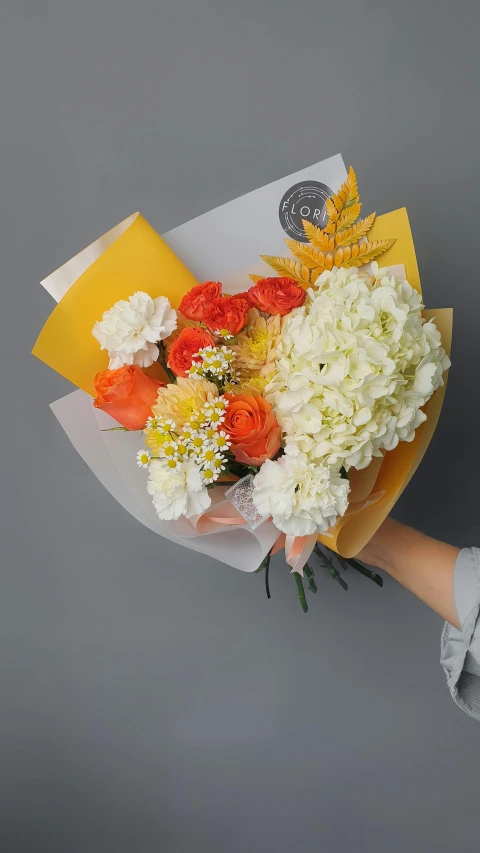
(302, 497)
(354, 366)
(209, 475)
(143, 458)
(220, 440)
(131, 329)
(177, 491)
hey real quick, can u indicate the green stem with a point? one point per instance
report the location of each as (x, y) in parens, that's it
(301, 592)
(328, 565)
(368, 573)
(263, 564)
(163, 361)
(310, 575)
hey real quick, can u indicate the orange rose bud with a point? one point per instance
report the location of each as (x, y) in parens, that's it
(127, 395)
(227, 312)
(198, 298)
(253, 429)
(277, 295)
(185, 347)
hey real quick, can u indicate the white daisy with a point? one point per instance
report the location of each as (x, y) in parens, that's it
(143, 458)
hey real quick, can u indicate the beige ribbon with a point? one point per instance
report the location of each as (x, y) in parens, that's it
(298, 549)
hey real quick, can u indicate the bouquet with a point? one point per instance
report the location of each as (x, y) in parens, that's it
(281, 410)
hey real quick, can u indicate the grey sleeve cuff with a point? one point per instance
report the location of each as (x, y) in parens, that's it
(460, 650)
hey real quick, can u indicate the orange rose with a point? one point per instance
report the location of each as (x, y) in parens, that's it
(253, 429)
(198, 298)
(227, 312)
(244, 297)
(126, 394)
(277, 295)
(188, 343)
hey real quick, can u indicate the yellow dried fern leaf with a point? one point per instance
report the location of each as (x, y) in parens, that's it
(349, 216)
(363, 253)
(330, 227)
(344, 207)
(317, 237)
(356, 232)
(291, 268)
(332, 212)
(351, 188)
(256, 278)
(308, 255)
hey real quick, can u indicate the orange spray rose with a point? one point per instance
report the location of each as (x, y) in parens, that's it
(198, 298)
(227, 312)
(277, 295)
(188, 343)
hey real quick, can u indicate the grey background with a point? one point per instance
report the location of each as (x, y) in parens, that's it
(155, 702)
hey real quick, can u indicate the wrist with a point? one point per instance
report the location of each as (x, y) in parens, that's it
(381, 549)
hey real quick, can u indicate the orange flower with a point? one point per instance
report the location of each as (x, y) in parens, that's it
(253, 429)
(188, 343)
(226, 312)
(198, 298)
(277, 295)
(244, 297)
(126, 394)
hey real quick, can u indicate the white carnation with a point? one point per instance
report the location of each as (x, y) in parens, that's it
(131, 329)
(354, 366)
(177, 491)
(302, 497)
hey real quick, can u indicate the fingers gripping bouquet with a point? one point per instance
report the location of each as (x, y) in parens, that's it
(277, 396)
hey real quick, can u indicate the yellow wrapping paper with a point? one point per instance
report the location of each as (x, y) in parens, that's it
(134, 257)
(138, 259)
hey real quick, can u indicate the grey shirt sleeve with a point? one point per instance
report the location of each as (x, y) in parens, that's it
(460, 652)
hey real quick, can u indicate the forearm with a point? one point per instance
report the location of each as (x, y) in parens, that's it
(421, 564)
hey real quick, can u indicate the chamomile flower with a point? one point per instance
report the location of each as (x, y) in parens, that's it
(219, 462)
(187, 432)
(215, 411)
(197, 444)
(209, 454)
(143, 458)
(221, 441)
(168, 450)
(173, 463)
(217, 417)
(209, 475)
(215, 362)
(223, 333)
(228, 354)
(195, 371)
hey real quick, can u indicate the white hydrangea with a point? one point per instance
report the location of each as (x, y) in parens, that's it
(355, 364)
(177, 491)
(131, 329)
(301, 496)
